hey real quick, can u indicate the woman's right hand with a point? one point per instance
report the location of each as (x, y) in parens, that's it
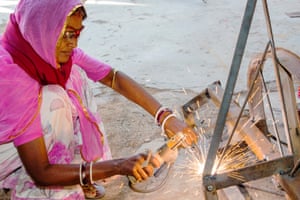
(139, 166)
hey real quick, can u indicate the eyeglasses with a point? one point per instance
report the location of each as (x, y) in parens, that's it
(73, 34)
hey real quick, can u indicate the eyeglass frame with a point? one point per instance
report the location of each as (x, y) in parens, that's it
(73, 34)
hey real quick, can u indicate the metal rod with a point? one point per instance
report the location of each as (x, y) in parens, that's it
(234, 69)
(273, 118)
(278, 78)
(280, 165)
(258, 70)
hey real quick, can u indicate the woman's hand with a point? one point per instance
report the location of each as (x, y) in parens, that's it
(140, 166)
(175, 125)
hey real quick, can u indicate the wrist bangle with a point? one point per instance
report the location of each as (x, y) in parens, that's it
(113, 83)
(82, 174)
(159, 113)
(165, 120)
(91, 173)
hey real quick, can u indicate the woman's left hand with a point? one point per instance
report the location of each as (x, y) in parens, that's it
(175, 125)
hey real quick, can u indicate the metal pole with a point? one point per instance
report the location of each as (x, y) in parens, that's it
(278, 79)
(229, 89)
(257, 73)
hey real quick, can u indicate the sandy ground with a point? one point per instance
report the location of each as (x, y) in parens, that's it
(175, 49)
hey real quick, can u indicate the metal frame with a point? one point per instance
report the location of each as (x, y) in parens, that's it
(273, 162)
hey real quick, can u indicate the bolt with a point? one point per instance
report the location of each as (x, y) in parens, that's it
(210, 188)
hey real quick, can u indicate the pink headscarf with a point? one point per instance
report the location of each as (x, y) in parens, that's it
(40, 23)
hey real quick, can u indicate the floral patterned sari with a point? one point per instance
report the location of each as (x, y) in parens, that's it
(63, 141)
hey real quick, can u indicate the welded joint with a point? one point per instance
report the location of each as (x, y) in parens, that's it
(208, 183)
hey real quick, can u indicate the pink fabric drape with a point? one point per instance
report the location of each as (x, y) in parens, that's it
(40, 23)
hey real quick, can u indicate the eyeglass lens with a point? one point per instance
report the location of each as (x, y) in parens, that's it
(74, 34)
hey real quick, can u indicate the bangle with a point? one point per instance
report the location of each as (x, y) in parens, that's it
(113, 83)
(165, 120)
(91, 173)
(82, 174)
(159, 113)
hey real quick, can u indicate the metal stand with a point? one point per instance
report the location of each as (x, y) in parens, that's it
(272, 161)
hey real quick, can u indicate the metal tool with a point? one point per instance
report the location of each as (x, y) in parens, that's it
(166, 155)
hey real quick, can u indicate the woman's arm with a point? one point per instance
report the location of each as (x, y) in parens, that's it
(35, 160)
(126, 86)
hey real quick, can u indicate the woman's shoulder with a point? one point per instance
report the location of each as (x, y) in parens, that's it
(5, 57)
(10, 71)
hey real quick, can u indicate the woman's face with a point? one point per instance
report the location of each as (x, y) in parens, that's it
(69, 38)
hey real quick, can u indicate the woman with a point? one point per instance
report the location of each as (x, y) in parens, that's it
(50, 137)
